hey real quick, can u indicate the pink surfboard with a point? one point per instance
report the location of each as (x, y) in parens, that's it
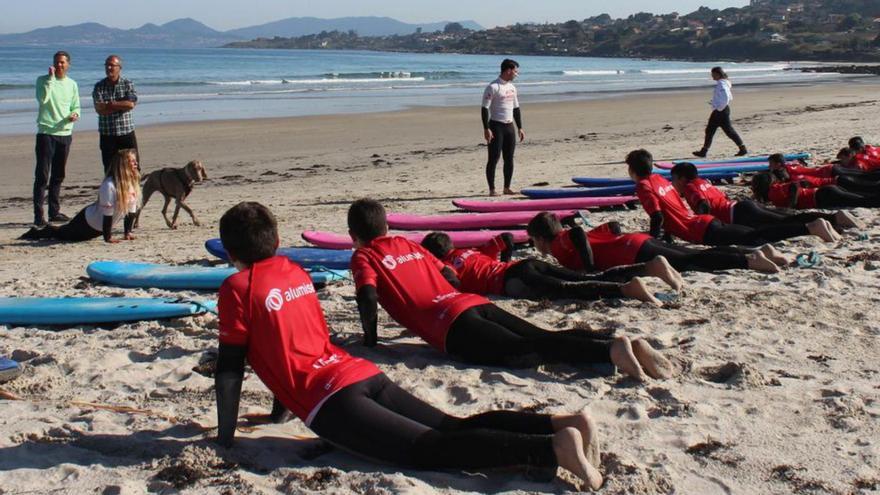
(460, 239)
(541, 204)
(466, 221)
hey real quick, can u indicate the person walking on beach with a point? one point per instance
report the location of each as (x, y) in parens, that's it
(58, 100)
(499, 112)
(720, 116)
(114, 98)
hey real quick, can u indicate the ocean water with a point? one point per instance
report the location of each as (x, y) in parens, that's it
(176, 85)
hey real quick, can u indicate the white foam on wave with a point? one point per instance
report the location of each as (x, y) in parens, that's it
(592, 72)
(328, 80)
(770, 68)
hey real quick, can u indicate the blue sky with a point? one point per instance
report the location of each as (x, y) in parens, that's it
(19, 16)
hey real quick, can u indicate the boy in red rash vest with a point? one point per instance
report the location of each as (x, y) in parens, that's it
(703, 197)
(417, 290)
(799, 195)
(480, 272)
(851, 179)
(867, 154)
(606, 246)
(270, 315)
(668, 212)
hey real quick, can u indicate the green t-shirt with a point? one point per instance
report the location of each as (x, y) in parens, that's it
(58, 98)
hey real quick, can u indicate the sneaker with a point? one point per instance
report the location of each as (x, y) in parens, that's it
(59, 217)
(742, 151)
(700, 153)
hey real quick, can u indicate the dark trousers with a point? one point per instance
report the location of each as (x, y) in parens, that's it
(377, 419)
(721, 118)
(488, 335)
(685, 259)
(503, 145)
(52, 152)
(111, 144)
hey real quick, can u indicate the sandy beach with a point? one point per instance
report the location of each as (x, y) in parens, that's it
(777, 390)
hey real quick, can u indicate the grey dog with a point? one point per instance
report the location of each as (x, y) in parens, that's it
(174, 183)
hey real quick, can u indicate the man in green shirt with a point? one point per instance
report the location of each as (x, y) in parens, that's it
(58, 100)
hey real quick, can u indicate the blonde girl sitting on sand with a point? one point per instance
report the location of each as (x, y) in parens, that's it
(119, 197)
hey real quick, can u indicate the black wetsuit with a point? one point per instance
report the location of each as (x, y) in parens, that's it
(685, 259)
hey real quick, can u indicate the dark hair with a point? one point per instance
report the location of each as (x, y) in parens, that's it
(437, 243)
(761, 185)
(719, 72)
(366, 219)
(776, 158)
(686, 170)
(844, 152)
(61, 53)
(508, 64)
(249, 232)
(640, 162)
(544, 225)
(856, 143)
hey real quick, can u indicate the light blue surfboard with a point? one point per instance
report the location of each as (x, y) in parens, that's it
(85, 310)
(609, 182)
(745, 159)
(306, 257)
(132, 274)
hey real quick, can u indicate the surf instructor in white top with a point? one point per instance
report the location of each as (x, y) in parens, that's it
(720, 116)
(500, 112)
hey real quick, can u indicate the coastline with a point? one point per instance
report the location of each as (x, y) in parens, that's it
(776, 389)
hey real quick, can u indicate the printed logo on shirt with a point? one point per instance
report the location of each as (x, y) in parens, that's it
(704, 187)
(443, 297)
(321, 362)
(662, 190)
(458, 261)
(391, 262)
(276, 299)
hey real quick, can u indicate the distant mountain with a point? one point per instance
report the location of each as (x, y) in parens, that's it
(180, 33)
(189, 33)
(364, 26)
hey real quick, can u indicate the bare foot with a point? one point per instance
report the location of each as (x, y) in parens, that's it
(758, 262)
(654, 364)
(774, 255)
(636, 289)
(584, 423)
(822, 229)
(623, 357)
(568, 447)
(846, 220)
(508, 190)
(659, 267)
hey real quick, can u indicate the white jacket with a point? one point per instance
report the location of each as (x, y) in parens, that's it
(722, 95)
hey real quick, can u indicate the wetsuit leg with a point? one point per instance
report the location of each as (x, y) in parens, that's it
(377, 419)
(507, 148)
(752, 214)
(534, 279)
(488, 335)
(686, 259)
(858, 185)
(839, 171)
(494, 146)
(727, 126)
(77, 229)
(835, 197)
(719, 234)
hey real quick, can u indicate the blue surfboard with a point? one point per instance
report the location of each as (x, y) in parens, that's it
(131, 274)
(606, 182)
(85, 310)
(9, 369)
(579, 192)
(306, 257)
(746, 159)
